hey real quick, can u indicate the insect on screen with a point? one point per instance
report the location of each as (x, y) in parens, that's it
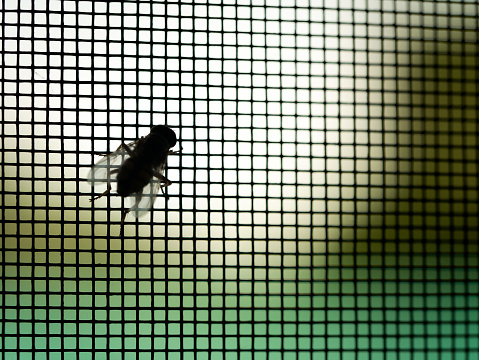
(324, 199)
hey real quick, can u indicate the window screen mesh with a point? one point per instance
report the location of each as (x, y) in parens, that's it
(324, 204)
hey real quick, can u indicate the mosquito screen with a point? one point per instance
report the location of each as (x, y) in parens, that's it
(324, 202)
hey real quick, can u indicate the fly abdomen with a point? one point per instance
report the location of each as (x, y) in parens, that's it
(132, 177)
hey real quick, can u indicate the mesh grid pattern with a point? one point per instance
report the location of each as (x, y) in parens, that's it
(324, 204)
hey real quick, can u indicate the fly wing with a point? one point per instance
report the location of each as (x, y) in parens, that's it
(146, 201)
(101, 172)
(141, 204)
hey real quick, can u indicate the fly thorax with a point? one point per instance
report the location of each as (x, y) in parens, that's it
(155, 147)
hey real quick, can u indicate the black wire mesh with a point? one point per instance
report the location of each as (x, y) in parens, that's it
(324, 204)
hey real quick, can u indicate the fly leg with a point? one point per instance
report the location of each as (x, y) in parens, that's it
(125, 212)
(171, 152)
(108, 189)
(165, 182)
(163, 179)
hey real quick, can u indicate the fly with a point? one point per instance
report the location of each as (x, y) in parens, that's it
(139, 168)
